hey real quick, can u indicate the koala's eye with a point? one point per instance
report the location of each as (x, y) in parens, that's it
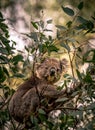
(46, 68)
(58, 69)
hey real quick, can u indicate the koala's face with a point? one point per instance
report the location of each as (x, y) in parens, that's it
(49, 70)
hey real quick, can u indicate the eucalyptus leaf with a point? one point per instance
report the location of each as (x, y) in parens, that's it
(48, 30)
(1, 16)
(52, 48)
(35, 25)
(17, 58)
(4, 59)
(34, 36)
(42, 24)
(68, 11)
(65, 46)
(69, 23)
(3, 50)
(79, 74)
(61, 27)
(49, 21)
(6, 71)
(18, 75)
(5, 41)
(80, 6)
(81, 19)
(2, 76)
(88, 78)
(41, 111)
(42, 48)
(62, 99)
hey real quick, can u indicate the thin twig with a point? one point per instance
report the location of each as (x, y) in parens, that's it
(71, 64)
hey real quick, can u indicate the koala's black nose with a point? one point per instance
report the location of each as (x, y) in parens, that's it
(52, 72)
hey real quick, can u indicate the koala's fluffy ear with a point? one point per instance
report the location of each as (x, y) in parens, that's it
(63, 64)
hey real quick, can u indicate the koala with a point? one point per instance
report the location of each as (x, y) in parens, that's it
(28, 98)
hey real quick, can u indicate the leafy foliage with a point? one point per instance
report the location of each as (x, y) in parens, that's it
(78, 105)
(8, 70)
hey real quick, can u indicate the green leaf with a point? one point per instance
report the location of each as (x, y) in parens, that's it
(61, 27)
(42, 48)
(1, 16)
(88, 78)
(2, 76)
(4, 28)
(3, 59)
(79, 74)
(32, 50)
(2, 25)
(17, 58)
(1, 72)
(75, 93)
(12, 91)
(42, 24)
(62, 99)
(26, 48)
(93, 17)
(3, 51)
(34, 36)
(18, 75)
(4, 40)
(41, 111)
(52, 48)
(34, 120)
(91, 106)
(2, 20)
(80, 6)
(48, 30)
(13, 43)
(7, 91)
(90, 25)
(49, 21)
(65, 46)
(6, 71)
(69, 24)
(81, 19)
(89, 56)
(35, 25)
(68, 11)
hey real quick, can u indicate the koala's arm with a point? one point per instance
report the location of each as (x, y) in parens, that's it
(50, 91)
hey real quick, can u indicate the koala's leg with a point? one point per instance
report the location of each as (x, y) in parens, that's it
(50, 91)
(21, 107)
